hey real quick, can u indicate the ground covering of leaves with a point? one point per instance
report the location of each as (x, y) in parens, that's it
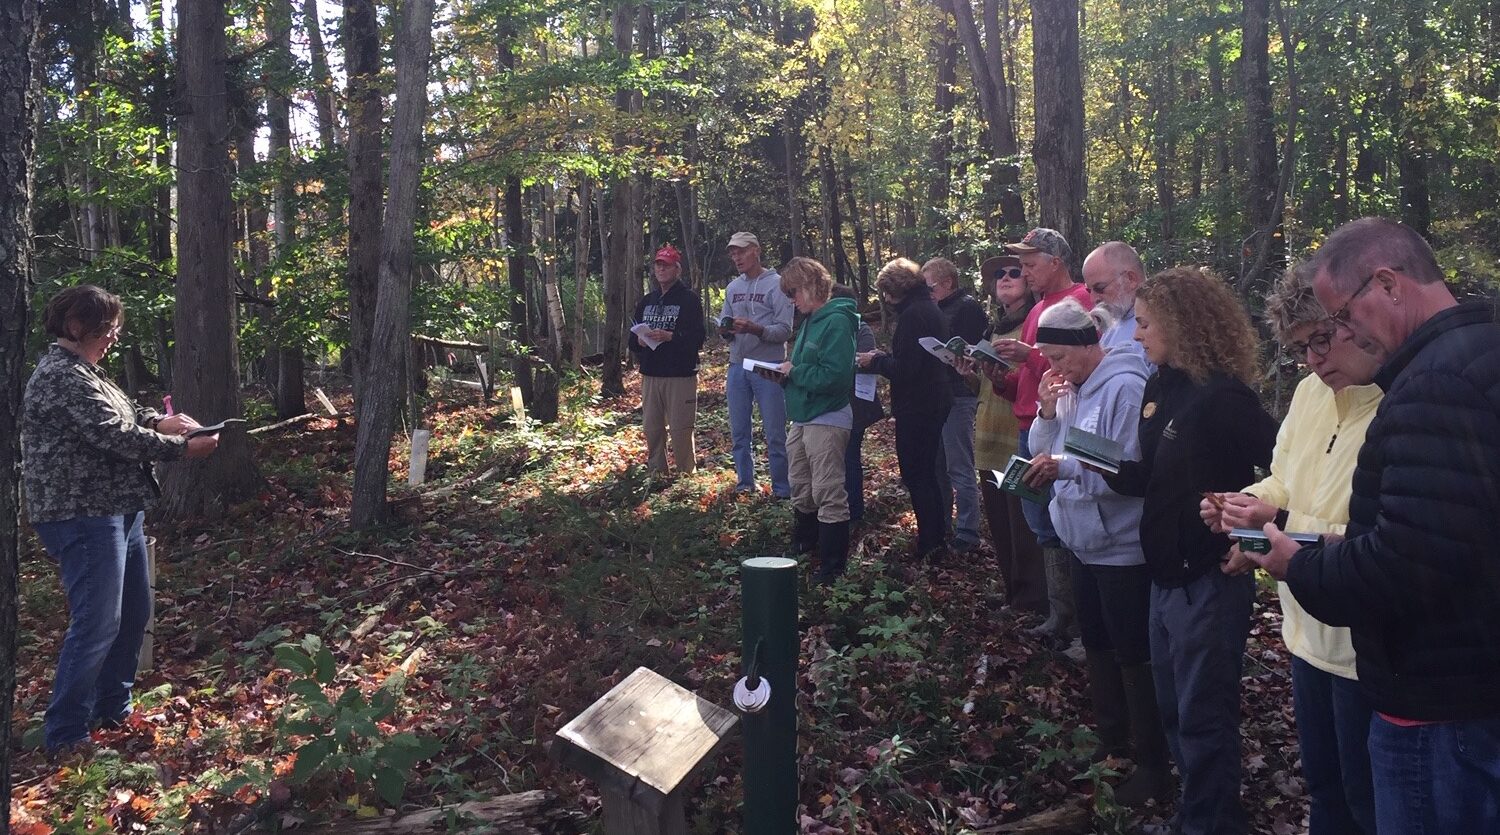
(433, 661)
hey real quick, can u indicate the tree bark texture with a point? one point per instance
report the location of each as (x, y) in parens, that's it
(582, 249)
(391, 339)
(289, 393)
(619, 265)
(18, 96)
(940, 151)
(1058, 146)
(362, 59)
(987, 68)
(206, 382)
(324, 104)
(1260, 134)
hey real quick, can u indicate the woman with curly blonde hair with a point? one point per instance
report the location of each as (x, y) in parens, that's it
(1202, 430)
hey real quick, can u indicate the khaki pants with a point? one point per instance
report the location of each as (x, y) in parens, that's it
(815, 455)
(669, 404)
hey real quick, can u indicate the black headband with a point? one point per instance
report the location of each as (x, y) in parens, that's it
(1067, 336)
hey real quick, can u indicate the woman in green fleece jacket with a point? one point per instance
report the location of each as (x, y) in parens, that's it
(818, 380)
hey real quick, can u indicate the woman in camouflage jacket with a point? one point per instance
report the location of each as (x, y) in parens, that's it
(87, 453)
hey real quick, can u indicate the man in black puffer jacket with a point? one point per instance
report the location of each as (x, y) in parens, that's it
(1417, 578)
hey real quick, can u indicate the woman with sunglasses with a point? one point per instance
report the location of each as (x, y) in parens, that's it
(1307, 491)
(996, 439)
(88, 451)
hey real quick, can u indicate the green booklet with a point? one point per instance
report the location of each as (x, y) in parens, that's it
(1010, 481)
(1097, 450)
(1256, 541)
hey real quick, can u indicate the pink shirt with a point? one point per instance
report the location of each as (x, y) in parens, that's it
(1021, 384)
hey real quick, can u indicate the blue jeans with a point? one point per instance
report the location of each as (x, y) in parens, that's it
(957, 478)
(1333, 732)
(1198, 635)
(102, 560)
(1436, 779)
(744, 391)
(854, 475)
(1038, 518)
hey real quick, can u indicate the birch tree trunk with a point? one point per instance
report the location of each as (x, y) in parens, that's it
(206, 384)
(18, 96)
(390, 340)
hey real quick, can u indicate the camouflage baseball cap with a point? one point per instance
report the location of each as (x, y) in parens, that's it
(1042, 239)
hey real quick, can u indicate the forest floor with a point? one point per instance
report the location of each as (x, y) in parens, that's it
(433, 661)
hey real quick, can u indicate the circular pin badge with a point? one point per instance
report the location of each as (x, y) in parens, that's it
(1148, 410)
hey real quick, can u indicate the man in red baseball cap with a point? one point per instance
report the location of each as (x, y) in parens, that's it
(666, 337)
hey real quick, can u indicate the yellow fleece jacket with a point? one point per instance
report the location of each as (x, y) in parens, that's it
(1311, 473)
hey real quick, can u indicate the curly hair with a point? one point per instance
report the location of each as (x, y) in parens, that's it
(1203, 322)
(1292, 304)
(899, 277)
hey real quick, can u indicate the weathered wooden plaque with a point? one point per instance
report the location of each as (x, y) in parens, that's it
(642, 742)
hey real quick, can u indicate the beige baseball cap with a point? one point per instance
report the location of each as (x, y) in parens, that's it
(743, 239)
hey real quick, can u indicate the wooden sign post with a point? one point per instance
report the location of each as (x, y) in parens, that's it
(641, 743)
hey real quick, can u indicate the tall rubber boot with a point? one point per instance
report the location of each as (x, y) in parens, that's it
(1111, 711)
(1152, 778)
(833, 550)
(804, 532)
(1062, 617)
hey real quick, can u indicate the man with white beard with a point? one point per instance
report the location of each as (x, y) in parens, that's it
(1113, 273)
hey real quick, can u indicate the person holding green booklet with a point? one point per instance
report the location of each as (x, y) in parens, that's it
(1089, 389)
(817, 381)
(1308, 491)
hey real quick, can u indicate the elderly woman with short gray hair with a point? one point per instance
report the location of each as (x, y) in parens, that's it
(1090, 390)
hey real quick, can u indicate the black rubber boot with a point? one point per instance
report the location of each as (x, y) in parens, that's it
(804, 532)
(1152, 778)
(833, 550)
(1111, 713)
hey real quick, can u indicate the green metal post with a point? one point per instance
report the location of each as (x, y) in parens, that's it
(771, 645)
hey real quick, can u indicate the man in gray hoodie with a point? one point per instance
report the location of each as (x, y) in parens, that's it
(757, 319)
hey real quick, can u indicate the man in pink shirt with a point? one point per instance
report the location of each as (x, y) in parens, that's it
(1046, 267)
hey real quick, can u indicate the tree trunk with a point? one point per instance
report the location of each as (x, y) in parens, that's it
(1164, 98)
(582, 249)
(859, 235)
(1413, 146)
(548, 246)
(1058, 146)
(18, 97)
(391, 339)
(362, 57)
(207, 356)
(288, 394)
(1260, 138)
(987, 68)
(159, 224)
(322, 79)
(835, 219)
(941, 149)
(619, 266)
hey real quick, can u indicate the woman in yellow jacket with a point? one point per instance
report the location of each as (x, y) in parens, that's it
(1308, 492)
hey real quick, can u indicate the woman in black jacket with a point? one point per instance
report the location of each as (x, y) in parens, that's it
(919, 395)
(1202, 430)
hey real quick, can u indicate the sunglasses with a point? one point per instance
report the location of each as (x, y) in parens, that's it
(1008, 272)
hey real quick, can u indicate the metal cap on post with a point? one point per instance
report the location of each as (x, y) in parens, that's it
(770, 649)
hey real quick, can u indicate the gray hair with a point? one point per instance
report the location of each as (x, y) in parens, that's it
(1362, 246)
(1068, 314)
(943, 270)
(1292, 303)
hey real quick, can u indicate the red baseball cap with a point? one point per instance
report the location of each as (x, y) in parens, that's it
(668, 254)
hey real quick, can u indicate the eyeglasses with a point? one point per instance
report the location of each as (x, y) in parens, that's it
(1319, 343)
(113, 332)
(1340, 317)
(1009, 272)
(1098, 289)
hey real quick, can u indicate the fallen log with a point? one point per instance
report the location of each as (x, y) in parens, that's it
(527, 813)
